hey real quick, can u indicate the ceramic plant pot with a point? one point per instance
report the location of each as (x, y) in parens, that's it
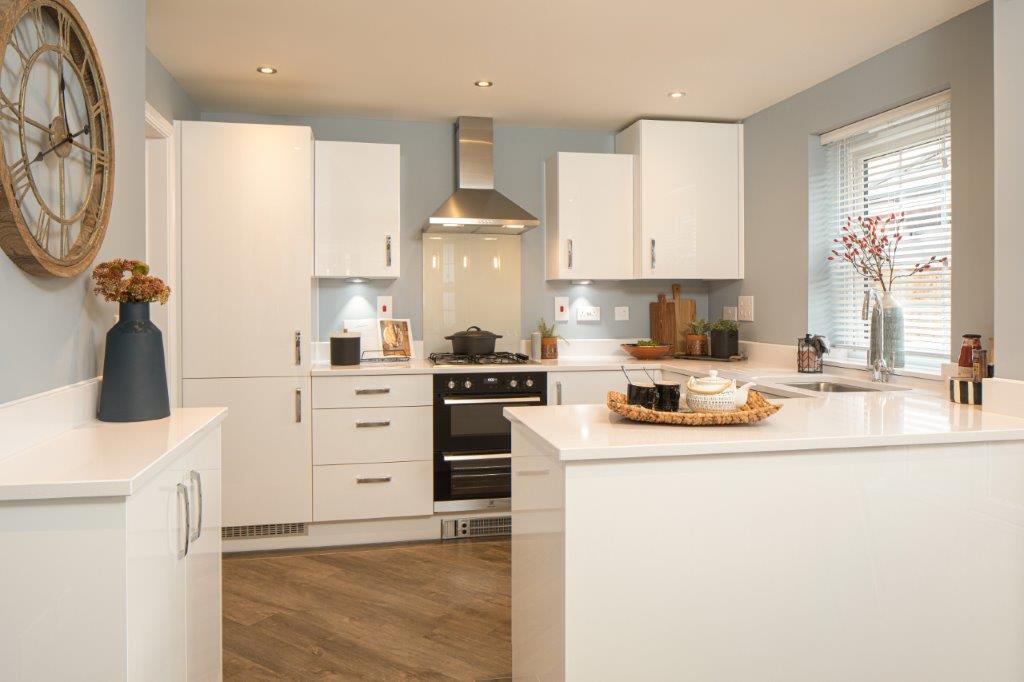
(134, 374)
(724, 343)
(696, 344)
(549, 348)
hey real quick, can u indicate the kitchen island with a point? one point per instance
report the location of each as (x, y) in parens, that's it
(858, 536)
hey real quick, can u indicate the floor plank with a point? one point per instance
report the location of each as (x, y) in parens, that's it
(418, 611)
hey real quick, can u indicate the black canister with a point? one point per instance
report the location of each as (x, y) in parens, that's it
(669, 393)
(642, 395)
(345, 348)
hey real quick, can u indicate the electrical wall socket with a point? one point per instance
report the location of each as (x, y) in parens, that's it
(746, 309)
(561, 308)
(729, 313)
(588, 313)
(621, 313)
(384, 307)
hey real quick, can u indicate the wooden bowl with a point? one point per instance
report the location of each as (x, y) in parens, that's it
(646, 352)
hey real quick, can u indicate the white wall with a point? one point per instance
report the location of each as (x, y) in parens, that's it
(51, 330)
(1008, 67)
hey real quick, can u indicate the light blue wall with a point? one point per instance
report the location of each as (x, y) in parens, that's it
(427, 172)
(165, 94)
(52, 328)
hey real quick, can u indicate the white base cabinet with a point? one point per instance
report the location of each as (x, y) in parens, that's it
(588, 216)
(688, 194)
(589, 388)
(117, 588)
(267, 456)
(358, 210)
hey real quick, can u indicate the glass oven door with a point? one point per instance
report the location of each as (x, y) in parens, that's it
(469, 424)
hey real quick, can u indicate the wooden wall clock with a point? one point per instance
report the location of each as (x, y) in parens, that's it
(56, 139)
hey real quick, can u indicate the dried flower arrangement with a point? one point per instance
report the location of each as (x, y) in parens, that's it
(870, 247)
(138, 287)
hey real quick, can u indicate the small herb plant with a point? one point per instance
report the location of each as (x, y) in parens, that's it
(548, 331)
(647, 342)
(724, 326)
(138, 286)
(700, 326)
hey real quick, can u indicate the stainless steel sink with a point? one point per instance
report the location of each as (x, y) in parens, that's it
(775, 395)
(830, 387)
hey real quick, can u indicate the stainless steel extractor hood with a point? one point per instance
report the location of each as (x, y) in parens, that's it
(476, 207)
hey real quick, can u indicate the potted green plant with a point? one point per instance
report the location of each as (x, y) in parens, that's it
(724, 339)
(697, 338)
(548, 341)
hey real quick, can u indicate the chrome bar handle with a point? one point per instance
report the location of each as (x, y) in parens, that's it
(183, 494)
(558, 392)
(298, 406)
(372, 425)
(372, 391)
(373, 479)
(387, 250)
(298, 347)
(569, 243)
(196, 479)
(653, 258)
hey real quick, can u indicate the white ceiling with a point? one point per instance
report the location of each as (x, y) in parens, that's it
(561, 63)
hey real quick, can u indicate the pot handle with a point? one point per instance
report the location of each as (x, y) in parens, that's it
(469, 329)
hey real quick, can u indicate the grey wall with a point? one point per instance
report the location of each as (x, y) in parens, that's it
(1009, 180)
(53, 328)
(427, 171)
(164, 93)
(957, 55)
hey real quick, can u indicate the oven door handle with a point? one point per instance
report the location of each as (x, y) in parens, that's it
(470, 458)
(484, 401)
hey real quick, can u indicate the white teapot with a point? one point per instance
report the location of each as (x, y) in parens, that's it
(715, 394)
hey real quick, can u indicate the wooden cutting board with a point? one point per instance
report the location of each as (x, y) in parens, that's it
(670, 320)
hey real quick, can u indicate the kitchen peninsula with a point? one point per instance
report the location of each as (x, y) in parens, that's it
(850, 537)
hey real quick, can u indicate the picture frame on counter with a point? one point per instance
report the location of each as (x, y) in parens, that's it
(394, 337)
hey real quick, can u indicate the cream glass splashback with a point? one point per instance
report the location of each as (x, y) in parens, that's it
(471, 280)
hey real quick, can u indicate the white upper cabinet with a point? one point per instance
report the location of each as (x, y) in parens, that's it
(246, 249)
(358, 209)
(688, 180)
(588, 219)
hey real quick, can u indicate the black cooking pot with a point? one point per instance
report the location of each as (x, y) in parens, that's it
(473, 341)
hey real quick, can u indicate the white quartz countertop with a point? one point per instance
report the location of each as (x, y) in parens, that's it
(850, 420)
(103, 459)
(572, 364)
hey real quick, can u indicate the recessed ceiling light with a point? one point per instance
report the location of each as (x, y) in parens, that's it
(266, 70)
(435, 238)
(678, 94)
(484, 84)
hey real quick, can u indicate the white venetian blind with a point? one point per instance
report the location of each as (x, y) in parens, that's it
(893, 163)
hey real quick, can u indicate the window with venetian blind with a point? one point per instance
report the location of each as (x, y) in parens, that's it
(897, 162)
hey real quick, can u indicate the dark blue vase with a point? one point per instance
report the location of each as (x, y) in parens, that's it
(134, 375)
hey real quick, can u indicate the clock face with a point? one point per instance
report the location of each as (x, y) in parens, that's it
(55, 131)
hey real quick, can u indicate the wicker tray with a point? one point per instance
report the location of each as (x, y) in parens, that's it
(756, 409)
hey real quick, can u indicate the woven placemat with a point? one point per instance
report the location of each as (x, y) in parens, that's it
(756, 409)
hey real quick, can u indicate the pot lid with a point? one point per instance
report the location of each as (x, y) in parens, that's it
(710, 384)
(474, 332)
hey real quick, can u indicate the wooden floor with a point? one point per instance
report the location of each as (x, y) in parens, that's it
(422, 611)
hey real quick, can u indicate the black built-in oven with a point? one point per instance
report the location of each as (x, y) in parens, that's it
(473, 439)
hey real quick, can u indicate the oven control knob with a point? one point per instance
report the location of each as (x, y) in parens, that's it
(467, 384)
(451, 384)
(529, 383)
(513, 383)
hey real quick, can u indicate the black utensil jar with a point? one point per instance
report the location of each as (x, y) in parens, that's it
(134, 374)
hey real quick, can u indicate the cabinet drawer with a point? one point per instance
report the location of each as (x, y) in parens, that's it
(388, 390)
(374, 434)
(343, 492)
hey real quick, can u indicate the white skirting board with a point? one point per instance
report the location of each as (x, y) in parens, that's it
(29, 421)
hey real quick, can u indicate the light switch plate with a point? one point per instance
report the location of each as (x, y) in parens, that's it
(561, 308)
(729, 313)
(588, 313)
(746, 309)
(621, 313)
(384, 308)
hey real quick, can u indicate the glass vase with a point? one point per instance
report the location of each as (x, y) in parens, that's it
(893, 343)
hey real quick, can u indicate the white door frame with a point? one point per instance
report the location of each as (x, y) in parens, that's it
(159, 128)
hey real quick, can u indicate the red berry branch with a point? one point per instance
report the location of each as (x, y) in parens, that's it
(870, 247)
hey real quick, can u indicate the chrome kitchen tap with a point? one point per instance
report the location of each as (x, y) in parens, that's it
(880, 370)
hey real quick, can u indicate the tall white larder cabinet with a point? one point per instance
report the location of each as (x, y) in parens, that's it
(246, 194)
(358, 210)
(688, 193)
(588, 216)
